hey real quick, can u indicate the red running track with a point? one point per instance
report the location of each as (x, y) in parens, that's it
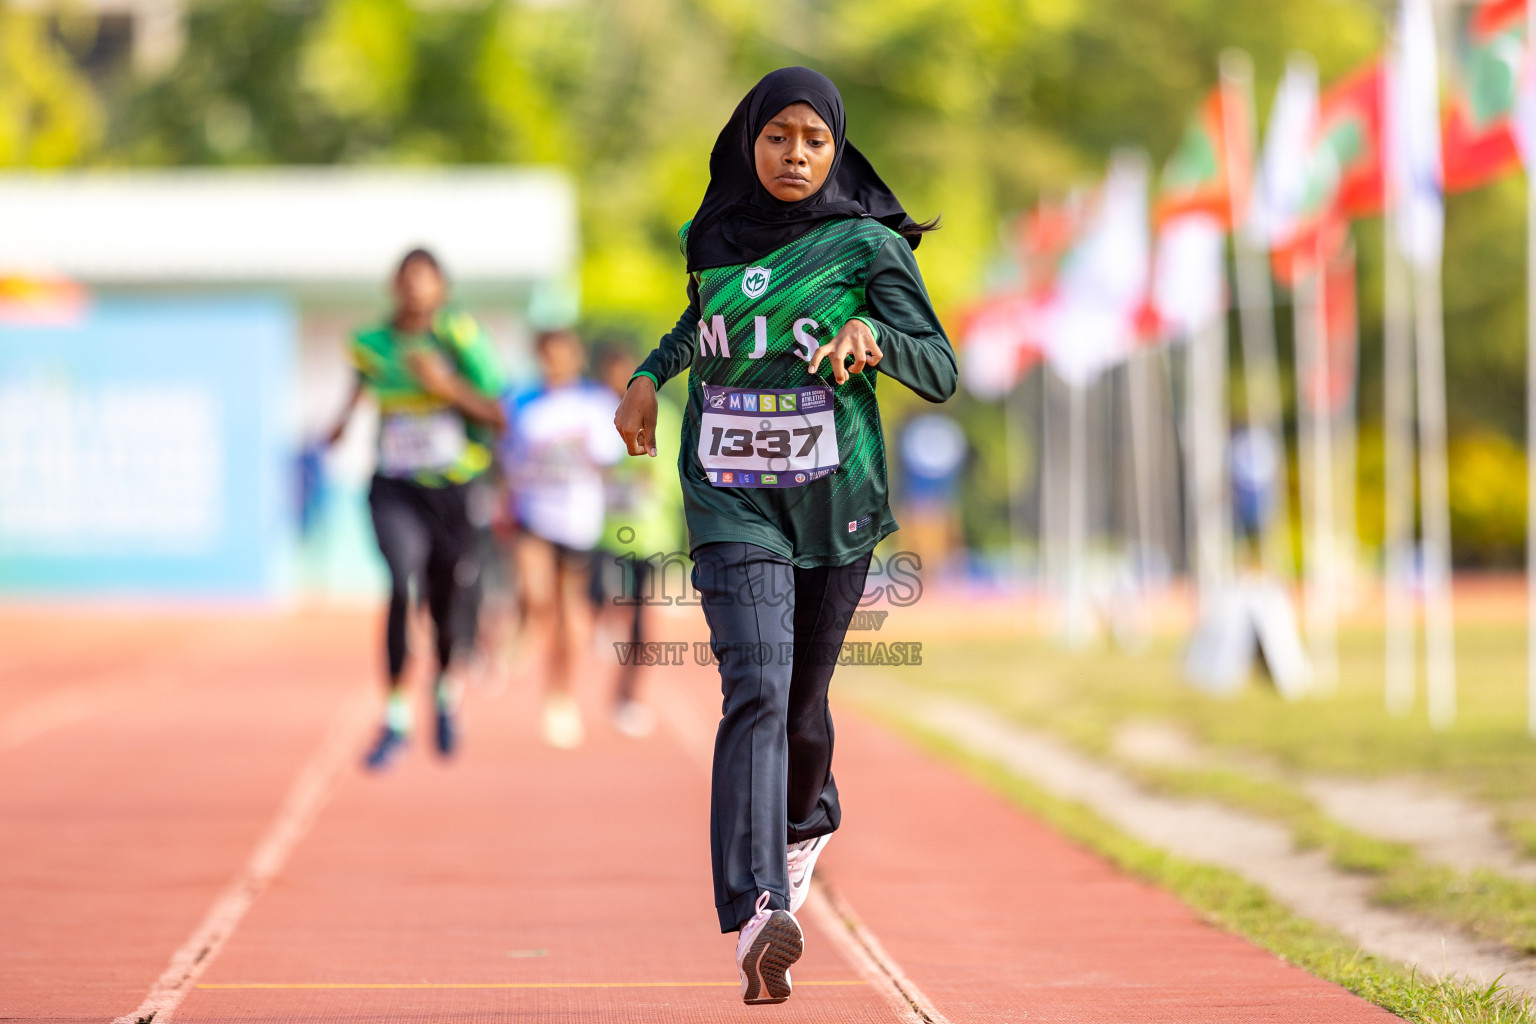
(143, 763)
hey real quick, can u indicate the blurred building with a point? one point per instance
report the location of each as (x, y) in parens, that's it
(203, 315)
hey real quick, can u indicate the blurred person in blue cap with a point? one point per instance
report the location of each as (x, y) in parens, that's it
(933, 449)
(557, 450)
(435, 375)
(642, 533)
(802, 292)
(1255, 462)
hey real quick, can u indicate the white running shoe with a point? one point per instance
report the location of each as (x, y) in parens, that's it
(561, 722)
(768, 945)
(634, 719)
(802, 861)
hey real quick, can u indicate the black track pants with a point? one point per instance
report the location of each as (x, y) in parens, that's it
(425, 532)
(776, 631)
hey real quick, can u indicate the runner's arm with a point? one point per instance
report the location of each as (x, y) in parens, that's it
(479, 366)
(437, 378)
(635, 419)
(914, 348)
(345, 416)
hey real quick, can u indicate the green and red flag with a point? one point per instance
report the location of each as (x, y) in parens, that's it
(1042, 237)
(1479, 140)
(1210, 171)
(1348, 161)
(1346, 176)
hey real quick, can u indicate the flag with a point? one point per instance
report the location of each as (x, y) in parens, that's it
(1347, 152)
(1188, 286)
(1093, 320)
(1043, 237)
(1331, 381)
(1345, 168)
(1525, 113)
(1280, 182)
(1209, 171)
(1413, 136)
(1003, 335)
(1479, 136)
(1000, 339)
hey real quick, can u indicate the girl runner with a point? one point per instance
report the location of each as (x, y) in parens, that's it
(801, 279)
(436, 378)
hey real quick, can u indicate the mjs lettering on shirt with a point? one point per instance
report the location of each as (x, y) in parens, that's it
(714, 338)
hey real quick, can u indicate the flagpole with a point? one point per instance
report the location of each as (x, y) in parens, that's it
(1530, 414)
(1347, 554)
(1189, 453)
(1414, 147)
(1050, 548)
(1321, 579)
(1139, 398)
(1440, 628)
(1207, 408)
(1076, 629)
(1013, 446)
(1397, 458)
(1255, 300)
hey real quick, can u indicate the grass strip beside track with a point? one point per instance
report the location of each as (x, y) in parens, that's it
(1484, 903)
(1243, 907)
(1487, 756)
(1085, 697)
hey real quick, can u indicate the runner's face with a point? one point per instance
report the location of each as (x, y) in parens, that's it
(616, 374)
(560, 359)
(794, 153)
(419, 289)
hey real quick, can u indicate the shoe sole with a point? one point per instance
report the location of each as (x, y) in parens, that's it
(769, 958)
(379, 760)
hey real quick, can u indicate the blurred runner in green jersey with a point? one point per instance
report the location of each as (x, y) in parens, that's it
(642, 532)
(435, 377)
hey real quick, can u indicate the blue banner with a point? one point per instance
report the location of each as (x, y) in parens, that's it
(144, 450)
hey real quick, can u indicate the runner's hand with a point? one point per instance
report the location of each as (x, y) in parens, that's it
(856, 340)
(636, 418)
(434, 374)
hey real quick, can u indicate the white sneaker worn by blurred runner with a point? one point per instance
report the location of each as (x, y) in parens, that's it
(768, 945)
(561, 722)
(802, 861)
(634, 719)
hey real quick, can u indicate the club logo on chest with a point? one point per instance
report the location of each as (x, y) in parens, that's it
(754, 281)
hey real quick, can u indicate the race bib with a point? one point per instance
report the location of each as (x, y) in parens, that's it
(767, 438)
(416, 442)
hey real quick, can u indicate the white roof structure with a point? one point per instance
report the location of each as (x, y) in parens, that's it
(286, 226)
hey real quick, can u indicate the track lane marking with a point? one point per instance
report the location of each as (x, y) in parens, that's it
(833, 915)
(306, 796)
(67, 705)
(508, 984)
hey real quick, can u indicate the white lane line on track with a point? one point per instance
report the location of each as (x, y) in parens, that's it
(311, 789)
(834, 917)
(70, 704)
(858, 945)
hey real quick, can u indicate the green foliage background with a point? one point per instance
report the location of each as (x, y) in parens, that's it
(970, 109)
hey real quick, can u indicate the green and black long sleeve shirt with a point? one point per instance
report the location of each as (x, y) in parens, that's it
(755, 327)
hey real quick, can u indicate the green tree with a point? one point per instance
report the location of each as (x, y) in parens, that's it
(49, 116)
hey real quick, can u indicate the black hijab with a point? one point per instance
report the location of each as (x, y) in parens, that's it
(739, 221)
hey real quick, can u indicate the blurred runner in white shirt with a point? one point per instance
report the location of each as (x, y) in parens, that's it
(560, 442)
